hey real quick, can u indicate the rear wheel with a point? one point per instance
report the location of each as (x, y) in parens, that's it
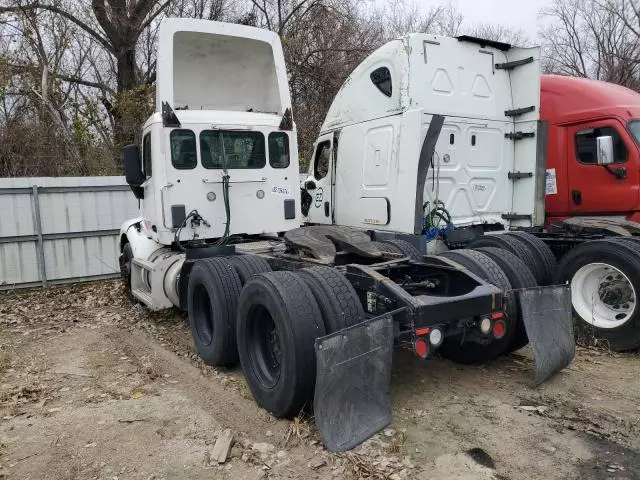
(519, 277)
(540, 251)
(605, 282)
(516, 247)
(212, 298)
(461, 351)
(247, 266)
(405, 248)
(278, 322)
(336, 297)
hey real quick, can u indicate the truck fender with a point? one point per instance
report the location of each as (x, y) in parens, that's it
(134, 233)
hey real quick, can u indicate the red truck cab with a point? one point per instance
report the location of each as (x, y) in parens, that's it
(578, 111)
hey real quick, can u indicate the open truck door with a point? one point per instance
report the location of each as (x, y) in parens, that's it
(319, 183)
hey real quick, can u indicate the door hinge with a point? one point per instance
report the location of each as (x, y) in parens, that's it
(519, 135)
(519, 111)
(514, 64)
(515, 216)
(519, 175)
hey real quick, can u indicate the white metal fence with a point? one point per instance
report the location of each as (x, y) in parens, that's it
(56, 230)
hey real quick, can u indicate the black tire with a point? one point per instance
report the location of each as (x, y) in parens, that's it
(514, 246)
(125, 269)
(278, 322)
(488, 270)
(247, 266)
(212, 300)
(336, 297)
(541, 252)
(385, 247)
(519, 277)
(405, 248)
(622, 254)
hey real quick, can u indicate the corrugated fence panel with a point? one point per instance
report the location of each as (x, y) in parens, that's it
(79, 221)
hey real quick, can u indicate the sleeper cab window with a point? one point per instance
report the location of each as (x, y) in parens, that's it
(146, 155)
(232, 149)
(381, 78)
(183, 149)
(587, 145)
(279, 150)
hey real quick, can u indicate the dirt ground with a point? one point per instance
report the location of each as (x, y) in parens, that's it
(95, 387)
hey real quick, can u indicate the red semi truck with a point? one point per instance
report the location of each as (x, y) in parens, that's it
(578, 111)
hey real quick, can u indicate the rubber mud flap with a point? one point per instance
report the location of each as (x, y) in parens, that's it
(546, 312)
(352, 385)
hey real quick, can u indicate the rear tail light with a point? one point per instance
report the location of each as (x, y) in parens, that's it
(421, 347)
(499, 329)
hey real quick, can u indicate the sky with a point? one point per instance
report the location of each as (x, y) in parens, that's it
(517, 14)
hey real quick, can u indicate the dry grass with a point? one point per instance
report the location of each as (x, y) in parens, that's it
(361, 467)
(299, 429)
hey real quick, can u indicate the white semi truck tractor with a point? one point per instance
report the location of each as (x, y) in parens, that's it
(310, 308)
(480, 186)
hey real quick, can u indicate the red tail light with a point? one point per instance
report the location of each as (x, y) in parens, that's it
(421, 347)
(499, 329)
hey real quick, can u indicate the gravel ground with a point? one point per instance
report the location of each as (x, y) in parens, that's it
(95, 386)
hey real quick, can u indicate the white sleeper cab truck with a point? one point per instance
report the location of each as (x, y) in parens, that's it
(435, 143)
(312, 313)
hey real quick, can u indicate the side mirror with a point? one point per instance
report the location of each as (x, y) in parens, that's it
(605, 150)
(133, 169)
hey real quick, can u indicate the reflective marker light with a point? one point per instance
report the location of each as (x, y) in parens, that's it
(435, 337)
(485, 325)
(260, 194)
(211, 196)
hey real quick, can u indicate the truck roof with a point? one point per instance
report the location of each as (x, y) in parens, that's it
(567, 99)
(455, 77)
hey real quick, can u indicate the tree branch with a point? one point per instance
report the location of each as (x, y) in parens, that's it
(53, 9)
(154, 15)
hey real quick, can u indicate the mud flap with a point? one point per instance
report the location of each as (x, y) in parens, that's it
(546, 312)
(352, 385)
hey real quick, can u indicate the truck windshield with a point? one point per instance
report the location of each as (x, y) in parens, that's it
(241, 149)
(634, 128)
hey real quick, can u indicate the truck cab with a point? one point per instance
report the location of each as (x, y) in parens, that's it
(222, 124)
(368, 169)
(579, 112)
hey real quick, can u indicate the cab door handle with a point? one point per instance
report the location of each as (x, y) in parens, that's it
(576, 195)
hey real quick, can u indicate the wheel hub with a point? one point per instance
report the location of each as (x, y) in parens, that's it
(603, 295)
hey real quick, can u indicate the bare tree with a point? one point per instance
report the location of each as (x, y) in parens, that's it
(115, 25)
(498, 33)
(402, 17)
(593, 38)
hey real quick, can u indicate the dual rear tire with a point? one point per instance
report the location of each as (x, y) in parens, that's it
(239, 309)
(473, 351)
(604, 276)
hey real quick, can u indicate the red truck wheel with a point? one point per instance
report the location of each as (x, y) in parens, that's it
(605, 282)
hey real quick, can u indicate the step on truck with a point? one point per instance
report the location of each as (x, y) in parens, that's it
(467, 132)
(312, 311)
